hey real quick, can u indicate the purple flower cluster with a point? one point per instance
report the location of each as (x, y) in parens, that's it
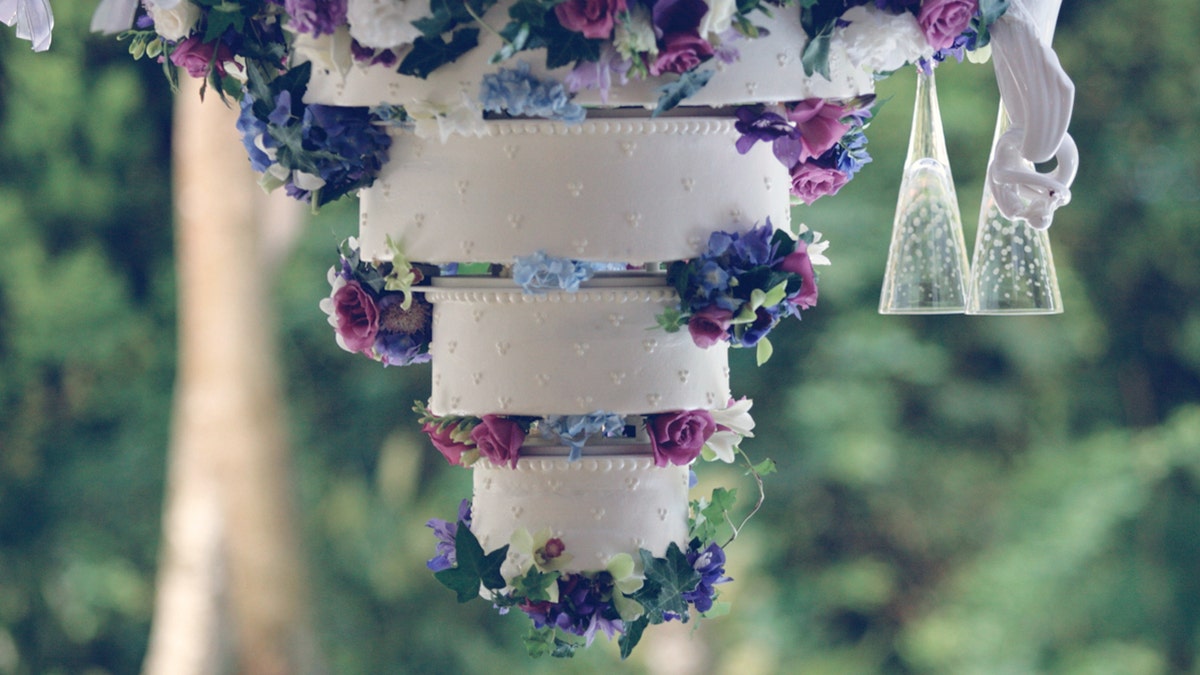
(375, 322)
(316, 17)
(317, 152)
(718, 288)
(710, 564)
(445, 532)
(819, 141)
(584, 606)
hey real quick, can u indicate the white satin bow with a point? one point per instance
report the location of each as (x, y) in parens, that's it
(33, 19)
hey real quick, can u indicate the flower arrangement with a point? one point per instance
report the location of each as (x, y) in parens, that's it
(373, 310)
(821, 142)
(677, 437)
(319, 153)
(627, 594)
(743, 285)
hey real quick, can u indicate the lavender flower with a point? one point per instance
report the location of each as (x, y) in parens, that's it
(316, 17)
(445, 533)
(756, 124)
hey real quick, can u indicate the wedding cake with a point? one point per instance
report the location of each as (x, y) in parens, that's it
(574, 209)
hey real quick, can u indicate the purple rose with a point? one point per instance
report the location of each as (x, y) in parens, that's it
(499, 439)
(820, 125)
(440, 436)
(810, 181)
(194, 55)
(709, 326)
(678, 437)
(944, 20)
(799, 263)
(593, 18)
(680, 53)
(357, 317)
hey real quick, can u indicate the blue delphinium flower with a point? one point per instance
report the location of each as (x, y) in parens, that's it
(574, 430)
(710, 563)
(515, 91)
(254, 132)
(445, 532)
(850, 155)
(539, 273)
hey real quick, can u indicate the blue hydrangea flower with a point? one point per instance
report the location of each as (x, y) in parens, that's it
(515, 91)
(253, 131)
(574, 430)
(539, 273)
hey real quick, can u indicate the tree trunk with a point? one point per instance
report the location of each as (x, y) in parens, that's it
(232, 587)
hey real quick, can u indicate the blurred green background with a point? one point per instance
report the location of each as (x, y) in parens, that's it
(955, 494)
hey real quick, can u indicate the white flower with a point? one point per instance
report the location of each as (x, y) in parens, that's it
(733, 424)
(335, 282)
(879, 41)
(718, 18)
(327, 52)
(385, 24)
(816, 250)
(434, 120)
(173, 19)
(635, 35)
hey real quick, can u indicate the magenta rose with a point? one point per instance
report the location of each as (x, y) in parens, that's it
(357, 317)
(678, 437)
(680, 52)
(798, 262)
(195, 56)
(810, 182)
(499, 439)
(709, 326)
(593, 18)
(451, 449)
(944, 20)
(820, 125)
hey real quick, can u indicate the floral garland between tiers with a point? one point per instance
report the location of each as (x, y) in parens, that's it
(737, 291)
(319, 153)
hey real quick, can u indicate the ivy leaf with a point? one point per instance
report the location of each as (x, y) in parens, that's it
(671, 320)
(992, 9)
(473, 568)
(221, 18)
(533, 585)
(632, 635)
(816, 54)
(539, 641)
(674, 93)
(667, 579)
(564, 47)
(765, 467)
(428, 54)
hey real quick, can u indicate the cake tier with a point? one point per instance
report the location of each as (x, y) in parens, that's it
(628, 190)
(599, 505)
(497, 350)
(768, 69)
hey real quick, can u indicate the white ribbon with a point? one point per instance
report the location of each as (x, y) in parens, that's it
(33, 19)
(1038, 97)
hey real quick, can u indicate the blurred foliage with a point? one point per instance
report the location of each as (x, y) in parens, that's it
(955, 495)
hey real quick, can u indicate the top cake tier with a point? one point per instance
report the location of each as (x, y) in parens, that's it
(766, 69)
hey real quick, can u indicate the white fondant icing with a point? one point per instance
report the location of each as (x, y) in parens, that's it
(568, 353)
(576, 192)
(599, 506)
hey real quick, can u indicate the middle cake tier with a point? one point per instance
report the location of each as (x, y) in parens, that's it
(630, 190)
(498, 350)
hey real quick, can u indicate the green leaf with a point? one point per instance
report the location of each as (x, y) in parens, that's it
(220, 19)
(763, 353)
(667, 579)
(671, 95)
(992, 9)
(534, 585)
(671, 320)
(632, 635)
(539, 641)
(765, 467)
(428, 54)
(816, 54)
